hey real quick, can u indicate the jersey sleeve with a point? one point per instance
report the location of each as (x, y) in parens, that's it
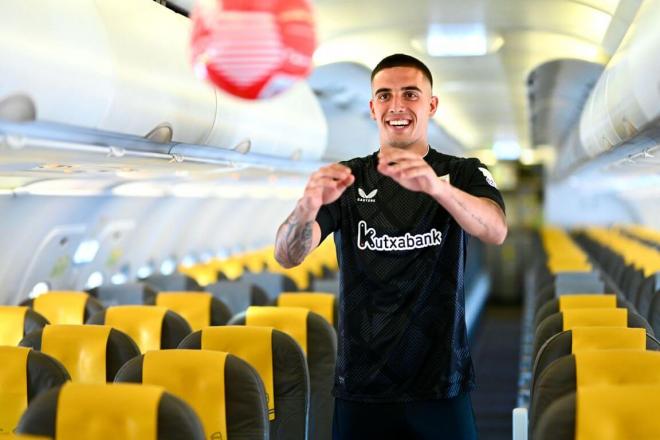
(328, 218)
(481, 183)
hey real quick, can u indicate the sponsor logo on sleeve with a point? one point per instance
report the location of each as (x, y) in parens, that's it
(488, 176)
(367, 239)
(367, 198)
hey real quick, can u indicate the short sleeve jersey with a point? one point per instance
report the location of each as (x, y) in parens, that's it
(402, 333)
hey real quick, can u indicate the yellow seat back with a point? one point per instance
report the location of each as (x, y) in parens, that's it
(586, 302)
(617, 412)
(317, 302)
(194, 307)
(607, 338)
(80, 348)
(252, 344)
(108, 412)
(197, 377)
(13, 387)
(617, 367)
(60, 307)
(290, 320)
(595, 318)
(12, 324)
(143, 324)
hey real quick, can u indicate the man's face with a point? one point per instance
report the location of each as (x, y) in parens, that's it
(401, 105)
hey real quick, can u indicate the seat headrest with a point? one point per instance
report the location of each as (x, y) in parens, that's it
(110, 412)
(198, 377)
(607, 338)
(290, 320)
(617, 367)
(320, 303)
(61, 307)
(13, 386)
(194, 307)
(586, 301)
(80, 348)
(12, 324)
(143, 324)
(253, 345)
(25, 374)
(594, 318)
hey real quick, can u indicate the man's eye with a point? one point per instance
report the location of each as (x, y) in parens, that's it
(411, 95)
(383, 96)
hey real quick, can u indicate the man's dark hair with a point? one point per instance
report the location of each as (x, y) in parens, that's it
(402, 60)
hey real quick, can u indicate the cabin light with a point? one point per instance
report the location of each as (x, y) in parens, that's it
(86, 252)
(39, 289)
(168, 266)
(458, 40)
(94, 280)
(506, 150)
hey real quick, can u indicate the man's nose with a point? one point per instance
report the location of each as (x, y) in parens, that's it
(396, 104)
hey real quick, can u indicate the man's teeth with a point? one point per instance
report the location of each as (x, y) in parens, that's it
(399, 122)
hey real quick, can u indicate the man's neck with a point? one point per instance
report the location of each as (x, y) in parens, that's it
(419, 149)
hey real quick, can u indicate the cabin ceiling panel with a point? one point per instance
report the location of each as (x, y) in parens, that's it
(483, 98)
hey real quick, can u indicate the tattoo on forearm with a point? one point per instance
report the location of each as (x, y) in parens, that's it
(294, 241)
(477, 218)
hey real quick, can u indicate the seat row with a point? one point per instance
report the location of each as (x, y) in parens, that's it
(632, 267)
(317, 265)
(304, 339)
(585, 348)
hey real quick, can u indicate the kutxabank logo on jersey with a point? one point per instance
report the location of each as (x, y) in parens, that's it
(367, 239)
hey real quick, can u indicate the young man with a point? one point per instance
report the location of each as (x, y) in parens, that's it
(400, 219)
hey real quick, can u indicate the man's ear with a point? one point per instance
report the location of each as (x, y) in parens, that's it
(434, 105)
(371, 109)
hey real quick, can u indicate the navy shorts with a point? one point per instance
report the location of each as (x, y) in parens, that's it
(451, 419)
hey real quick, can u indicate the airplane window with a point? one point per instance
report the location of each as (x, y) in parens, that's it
(94, 280)
(168, 266)
(188, 261)
(86, 251)
(118, 278)
(205, 257)
(38, 289)
(145, 271)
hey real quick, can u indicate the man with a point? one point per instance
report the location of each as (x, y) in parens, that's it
(400, 218)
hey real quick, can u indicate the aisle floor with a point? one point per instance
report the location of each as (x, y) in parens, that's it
(495, 355)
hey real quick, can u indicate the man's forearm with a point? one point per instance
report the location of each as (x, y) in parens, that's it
(479, 217)
(294, 239)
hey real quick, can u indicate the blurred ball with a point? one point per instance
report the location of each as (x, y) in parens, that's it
(253, 49)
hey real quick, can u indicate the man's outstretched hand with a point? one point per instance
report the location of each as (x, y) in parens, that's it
(324, 187)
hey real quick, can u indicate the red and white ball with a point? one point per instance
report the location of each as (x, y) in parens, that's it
(253, 49)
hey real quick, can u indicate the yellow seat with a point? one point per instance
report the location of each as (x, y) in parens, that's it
(151, 327)
(320, 303)
(90, 353)
(110, 412)
(16, 322)
(65, 307)
(215, 384)
(199, 309)
(24, 374)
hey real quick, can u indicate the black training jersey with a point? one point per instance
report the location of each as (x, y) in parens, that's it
(402, 333)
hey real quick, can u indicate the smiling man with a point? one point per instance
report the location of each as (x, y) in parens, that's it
(401, 219)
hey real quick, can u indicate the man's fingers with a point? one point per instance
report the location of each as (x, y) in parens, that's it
(412, 172)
